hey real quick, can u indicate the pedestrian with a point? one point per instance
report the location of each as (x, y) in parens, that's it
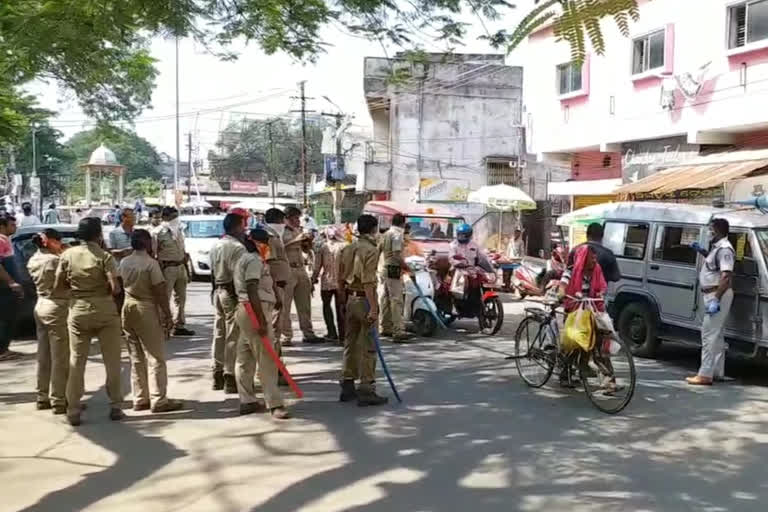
(279, 269)
(392, 323)
(155, 219)
(50, 314)
(91, 275)
(120, 237)
(328, 262)
(715, 279)
(225, 253)
(51, 215)
(307, 221)
(358, 284)
(168, 241)
(76, 216)
(299, 288)
(28, 218)
(605, 256)
(254, 286)
(146, 319)
(11, 291)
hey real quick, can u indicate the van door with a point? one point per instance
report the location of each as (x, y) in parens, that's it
(671, 273)
(744, 318)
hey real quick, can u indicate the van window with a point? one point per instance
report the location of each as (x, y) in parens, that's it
(673, 244)
(626, 240)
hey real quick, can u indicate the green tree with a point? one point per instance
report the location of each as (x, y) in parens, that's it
(54, 160)
(139, 157)
(144, 188)
(244, 151)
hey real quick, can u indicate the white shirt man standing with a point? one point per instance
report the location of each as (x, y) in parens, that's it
(28, 218)
(717, 297)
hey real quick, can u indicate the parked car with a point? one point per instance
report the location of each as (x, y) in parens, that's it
(658, 295)
(201, 232)
(23, 250)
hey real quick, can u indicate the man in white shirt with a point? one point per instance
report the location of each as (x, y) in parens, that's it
(717, 297)
(516, 247)
(27, 217)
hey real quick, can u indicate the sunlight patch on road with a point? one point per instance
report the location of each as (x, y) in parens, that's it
(491, 473)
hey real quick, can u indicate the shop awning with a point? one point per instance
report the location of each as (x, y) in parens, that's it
(583, 187)
(703, 176)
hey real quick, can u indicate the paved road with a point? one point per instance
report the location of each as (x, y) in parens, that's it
(470, 436)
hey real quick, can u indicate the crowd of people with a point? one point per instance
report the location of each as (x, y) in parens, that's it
(126, 293)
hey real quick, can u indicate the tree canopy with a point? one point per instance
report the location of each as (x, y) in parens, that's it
(244, 151)
(99, 48)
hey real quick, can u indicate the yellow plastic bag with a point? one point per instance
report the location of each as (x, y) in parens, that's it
(579, 331)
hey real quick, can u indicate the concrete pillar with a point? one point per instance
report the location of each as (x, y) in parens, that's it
(88, 187)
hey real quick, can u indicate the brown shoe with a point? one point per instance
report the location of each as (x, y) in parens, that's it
(59, 409)
(140, 406)
(400, 337)
(43, 405)
(280, 413)
(168, 406)
(698, 380)
(73, 419)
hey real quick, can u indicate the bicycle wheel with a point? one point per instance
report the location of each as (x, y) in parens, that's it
(609, 378)
(535, 352)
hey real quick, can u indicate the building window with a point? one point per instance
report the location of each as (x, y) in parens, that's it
(607, 160)
(648, 52)
(503, 171)
(747, 23)
(569, 78)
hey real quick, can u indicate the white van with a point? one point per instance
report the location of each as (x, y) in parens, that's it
(658, 296)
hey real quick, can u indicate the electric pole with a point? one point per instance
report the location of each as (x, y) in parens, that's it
(189, 168)
(272, 172)
(337, 193)
(304, 112)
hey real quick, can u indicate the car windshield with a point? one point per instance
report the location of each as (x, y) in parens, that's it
(433, 228)
(204, 229)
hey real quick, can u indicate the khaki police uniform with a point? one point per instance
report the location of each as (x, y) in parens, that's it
(359, 262)
(720, 259)
(171, 255)
(392, 287)
(250, 349)
(280, 270)
(298, 289)
(92, 313)
(224, 256)
(141, 323)
(50, 314)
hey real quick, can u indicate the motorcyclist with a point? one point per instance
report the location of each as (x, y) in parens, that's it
(463, 252)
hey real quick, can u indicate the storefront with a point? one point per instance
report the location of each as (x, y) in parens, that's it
(582, 194)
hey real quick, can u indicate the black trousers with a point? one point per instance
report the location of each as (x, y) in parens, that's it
(328, 296)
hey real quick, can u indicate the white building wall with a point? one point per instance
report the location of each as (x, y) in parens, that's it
(619, 109)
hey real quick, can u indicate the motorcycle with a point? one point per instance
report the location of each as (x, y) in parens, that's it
(468, 292)
(532, 278)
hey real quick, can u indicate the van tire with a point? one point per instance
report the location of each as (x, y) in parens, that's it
(637, 327)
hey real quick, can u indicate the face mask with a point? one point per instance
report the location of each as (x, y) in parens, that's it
(279, 228)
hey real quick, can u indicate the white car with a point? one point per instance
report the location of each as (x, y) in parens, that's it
(200, 233)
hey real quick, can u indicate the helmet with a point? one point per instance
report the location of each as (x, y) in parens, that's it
(464, 233)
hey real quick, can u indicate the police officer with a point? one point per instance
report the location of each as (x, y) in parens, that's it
(715, 279)
(168, 243)
(255, 287)
(358, 280)
(51, 323)
(224, 255)
(145, 293)
(392, 246)
(90, 273)
(279, 268)
(299, 287)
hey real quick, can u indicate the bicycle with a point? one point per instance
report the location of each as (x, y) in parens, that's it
(606, 371)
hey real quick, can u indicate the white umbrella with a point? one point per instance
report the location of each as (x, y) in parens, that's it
(502, 197)
(196, 203)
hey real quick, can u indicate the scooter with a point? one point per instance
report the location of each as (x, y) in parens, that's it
(533, 276)
(420, 308)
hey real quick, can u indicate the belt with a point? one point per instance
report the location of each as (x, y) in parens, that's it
(224, 285)
(355, 293)
(296, 265)
(711, 289)
(171, 263)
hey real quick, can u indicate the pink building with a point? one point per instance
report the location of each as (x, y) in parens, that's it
(691, 80)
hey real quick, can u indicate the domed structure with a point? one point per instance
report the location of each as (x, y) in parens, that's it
(102, 155)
